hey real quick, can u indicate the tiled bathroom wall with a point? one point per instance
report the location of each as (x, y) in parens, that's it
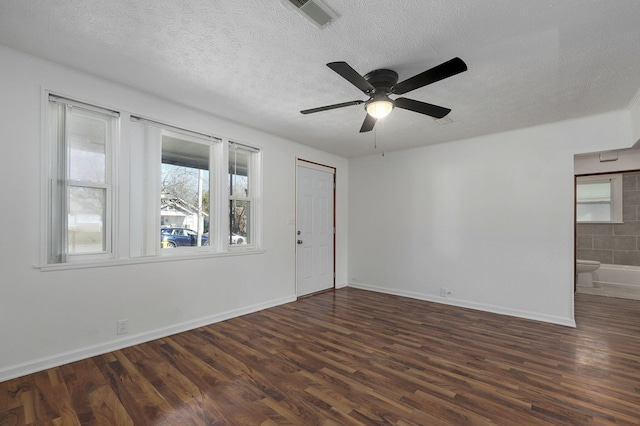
(617, 243)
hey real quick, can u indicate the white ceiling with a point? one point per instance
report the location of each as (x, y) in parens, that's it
(260, 62)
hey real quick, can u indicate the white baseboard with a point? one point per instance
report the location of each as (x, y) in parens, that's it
(615, 284)
(471, 305)
(41, 364)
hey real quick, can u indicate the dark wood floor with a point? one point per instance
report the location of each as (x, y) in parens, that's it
(355, 357)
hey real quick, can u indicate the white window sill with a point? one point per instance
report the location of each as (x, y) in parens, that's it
(598, 223)
(142, 260)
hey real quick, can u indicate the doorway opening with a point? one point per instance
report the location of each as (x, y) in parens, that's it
(315, 227)
(607, 223)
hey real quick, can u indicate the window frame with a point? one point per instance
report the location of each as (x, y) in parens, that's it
(151, 217)
(209, 142)
(254, 198)
(55, 245)
(615, 180)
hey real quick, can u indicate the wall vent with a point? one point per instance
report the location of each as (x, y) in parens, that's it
(313, 10)
(608, 156)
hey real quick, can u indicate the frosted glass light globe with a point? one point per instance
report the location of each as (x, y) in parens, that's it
(379, 108)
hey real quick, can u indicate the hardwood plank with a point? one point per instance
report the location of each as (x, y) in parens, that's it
(355, 357)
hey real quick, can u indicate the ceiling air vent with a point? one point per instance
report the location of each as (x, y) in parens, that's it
(315, 11)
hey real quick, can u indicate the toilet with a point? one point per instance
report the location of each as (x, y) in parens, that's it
(584, 269)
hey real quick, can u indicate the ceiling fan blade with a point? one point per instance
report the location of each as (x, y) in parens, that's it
(368, 124)
(328, 107)
(421, 107)
(351, 75)
(437, 73)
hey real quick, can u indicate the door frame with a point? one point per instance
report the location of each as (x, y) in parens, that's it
(612, 170)
(328, 169)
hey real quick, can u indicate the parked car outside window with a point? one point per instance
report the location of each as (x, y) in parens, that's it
(238, 239)
(180, 237)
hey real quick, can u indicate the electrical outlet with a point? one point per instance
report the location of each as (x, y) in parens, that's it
(122, 326)
(444, 292)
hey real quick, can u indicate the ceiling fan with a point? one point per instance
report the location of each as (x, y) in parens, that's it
(379, 84)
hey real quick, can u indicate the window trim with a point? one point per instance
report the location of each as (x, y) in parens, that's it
(616, 180)
(142, 260)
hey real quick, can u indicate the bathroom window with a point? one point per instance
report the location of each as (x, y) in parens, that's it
(599, 199)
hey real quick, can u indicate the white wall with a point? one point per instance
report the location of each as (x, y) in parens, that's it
(489, 218)
(49, 318)
(634, 110)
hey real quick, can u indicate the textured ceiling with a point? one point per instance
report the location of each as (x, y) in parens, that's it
(260, 62)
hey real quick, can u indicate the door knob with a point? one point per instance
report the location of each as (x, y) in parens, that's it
(299, 241)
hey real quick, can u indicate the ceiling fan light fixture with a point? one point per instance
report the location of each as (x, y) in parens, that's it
(379, 107)
(379, 84)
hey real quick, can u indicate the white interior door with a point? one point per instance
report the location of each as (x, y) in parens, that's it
(315, 228)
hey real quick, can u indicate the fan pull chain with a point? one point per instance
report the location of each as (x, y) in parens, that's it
(375, 138)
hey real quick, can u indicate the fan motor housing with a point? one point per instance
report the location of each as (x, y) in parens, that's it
(382, 79)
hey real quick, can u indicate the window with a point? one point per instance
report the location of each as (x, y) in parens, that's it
(182, 193)
(178, 194)
(185, 190)
(599, 198)
(81, 176)
(243, 193)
